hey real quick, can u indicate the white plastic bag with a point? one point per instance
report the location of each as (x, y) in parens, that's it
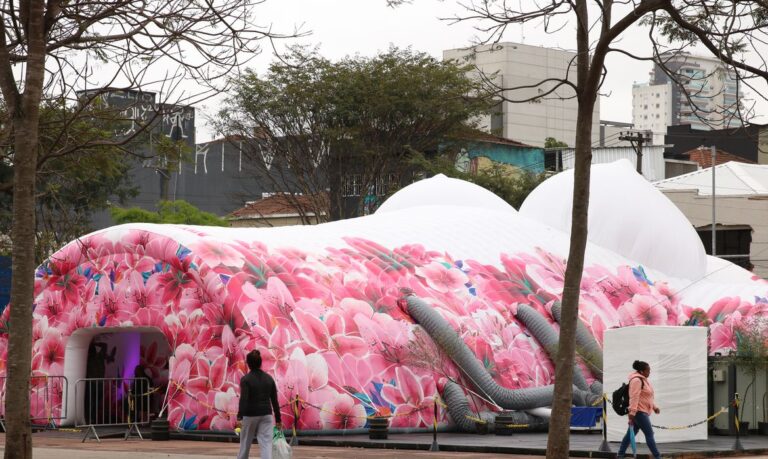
(280, 447)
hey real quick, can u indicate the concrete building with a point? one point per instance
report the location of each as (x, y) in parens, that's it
(531, 121)
(653, 159)
(652, 109)
(279, 209)
(741, 210)
(687, 89)
(749, 142)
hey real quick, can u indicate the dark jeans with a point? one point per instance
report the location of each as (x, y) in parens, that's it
(642, 422)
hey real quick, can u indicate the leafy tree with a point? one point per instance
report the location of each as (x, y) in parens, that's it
(311, 124)
(176, 212)
(69, 188)
(506, 182)
(551, 142)
(47, 49)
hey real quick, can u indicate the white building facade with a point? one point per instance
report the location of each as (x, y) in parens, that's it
(512, 65)
(689, 89)
(652, 109)
(741, 210)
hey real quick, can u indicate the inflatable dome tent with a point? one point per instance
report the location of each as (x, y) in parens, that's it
(444, 292)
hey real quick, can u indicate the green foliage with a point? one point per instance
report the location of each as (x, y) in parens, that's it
(323, 121)
(175, 212)
(752, 343)
(509, 184)
(78, 171)
(551, 142)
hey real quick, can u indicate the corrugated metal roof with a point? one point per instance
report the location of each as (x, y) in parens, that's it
(653, 158)
(731, 179)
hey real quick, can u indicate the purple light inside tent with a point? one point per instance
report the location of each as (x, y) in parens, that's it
(131, 355)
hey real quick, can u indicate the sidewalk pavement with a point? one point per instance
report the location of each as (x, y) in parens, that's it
(65, 448)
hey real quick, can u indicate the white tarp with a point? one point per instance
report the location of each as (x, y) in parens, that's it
(678, 360)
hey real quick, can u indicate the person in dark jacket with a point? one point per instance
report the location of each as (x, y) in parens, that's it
(258, 401)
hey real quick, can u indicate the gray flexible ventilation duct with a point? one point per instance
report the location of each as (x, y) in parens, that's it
(586, 345)
(451, 343)
(464, 418)
(458, 408)
(542, 330)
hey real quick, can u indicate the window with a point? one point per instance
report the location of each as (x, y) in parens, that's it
(732, 243)
(657, 105)
(352, 185)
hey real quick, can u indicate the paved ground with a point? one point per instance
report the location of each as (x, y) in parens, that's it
(63, 445)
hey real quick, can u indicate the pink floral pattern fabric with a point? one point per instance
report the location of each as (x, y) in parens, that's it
(328, 324)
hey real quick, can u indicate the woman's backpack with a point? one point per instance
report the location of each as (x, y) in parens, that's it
(620, 401)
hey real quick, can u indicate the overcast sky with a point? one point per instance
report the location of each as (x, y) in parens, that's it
(365, 27)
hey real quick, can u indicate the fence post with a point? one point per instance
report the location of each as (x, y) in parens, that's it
(295, 407)
(737, 445)
(435, 446)
(604, 446)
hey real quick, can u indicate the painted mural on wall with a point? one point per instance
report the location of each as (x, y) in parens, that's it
(333, 325)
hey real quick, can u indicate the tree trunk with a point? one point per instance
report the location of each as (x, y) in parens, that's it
(26, 121)
(558, 442)
(18, 442)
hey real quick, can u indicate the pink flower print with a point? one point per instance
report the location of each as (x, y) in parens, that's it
(65, 279)
(152, 360)
(48, 353)
(442, 277)
(111, 309)
(180, 363)
(226, 406)
(292, 378)
(412, 407)
(3, 357)
(216, 252)
(642, 310)
(342, 412)
(50, 306)
(723, 307)
(351, 372)
(721, 338)
(182, 328)
(173, 281)
(316, 335)
(211, 375)
(386, 335)
(597, 327)
(259, 305)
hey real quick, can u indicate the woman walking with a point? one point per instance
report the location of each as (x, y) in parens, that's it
(641, 404)
(258, 401)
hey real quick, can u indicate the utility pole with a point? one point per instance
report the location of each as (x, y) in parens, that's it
(714, 192)
(637, 139)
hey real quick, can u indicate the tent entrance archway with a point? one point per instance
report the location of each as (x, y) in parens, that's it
(113, 352)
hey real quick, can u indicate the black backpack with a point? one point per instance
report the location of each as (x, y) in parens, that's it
(620, 400)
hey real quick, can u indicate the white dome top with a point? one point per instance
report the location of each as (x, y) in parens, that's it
(444, 191)
(627, 215)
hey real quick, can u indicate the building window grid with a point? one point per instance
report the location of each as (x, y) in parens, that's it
(352, 185)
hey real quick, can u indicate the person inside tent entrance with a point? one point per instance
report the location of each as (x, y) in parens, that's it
(96, 368)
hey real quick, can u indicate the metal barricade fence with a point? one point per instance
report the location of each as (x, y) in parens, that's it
(112, 402)
(47, 400)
